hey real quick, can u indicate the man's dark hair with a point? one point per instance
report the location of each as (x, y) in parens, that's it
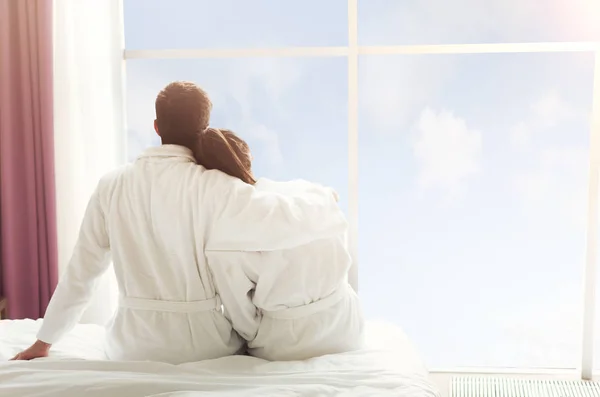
(182, 114)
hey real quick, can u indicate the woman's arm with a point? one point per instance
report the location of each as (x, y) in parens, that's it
(235, 288)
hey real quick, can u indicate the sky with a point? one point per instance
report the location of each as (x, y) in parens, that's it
(472, 168)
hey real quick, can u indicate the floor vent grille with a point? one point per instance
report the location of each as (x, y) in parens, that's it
(505, 387)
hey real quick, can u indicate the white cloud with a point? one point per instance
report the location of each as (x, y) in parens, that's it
(428, 21)
(557, 184)
(547, 112)
(241, 78)
(551, 109)
(520, 134)
(276, 78)
(446, 149)
(391, 92)
(270, 142)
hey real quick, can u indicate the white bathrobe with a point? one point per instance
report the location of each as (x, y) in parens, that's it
(156, 217)
(291, 304)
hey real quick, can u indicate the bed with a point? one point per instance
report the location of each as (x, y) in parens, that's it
(390, 366)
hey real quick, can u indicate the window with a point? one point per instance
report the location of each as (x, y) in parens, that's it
(458, 135)
(473, 187)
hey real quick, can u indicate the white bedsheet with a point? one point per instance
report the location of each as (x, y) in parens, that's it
(389, 367)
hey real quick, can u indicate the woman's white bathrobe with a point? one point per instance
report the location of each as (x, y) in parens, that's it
(291, 304)
(156, 217)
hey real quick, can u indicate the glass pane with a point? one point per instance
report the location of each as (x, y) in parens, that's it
(176, 24)
(473, 178)
(292, 112)
(393, 22)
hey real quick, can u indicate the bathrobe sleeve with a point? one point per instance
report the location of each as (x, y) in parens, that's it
(235, 286)
(91, 258)
(245, 218)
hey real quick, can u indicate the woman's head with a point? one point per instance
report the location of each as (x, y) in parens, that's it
(221, 149)
(182, 113)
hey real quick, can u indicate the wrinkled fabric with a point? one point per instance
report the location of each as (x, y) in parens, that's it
(291, 304)
(389, 366)
(156, 217)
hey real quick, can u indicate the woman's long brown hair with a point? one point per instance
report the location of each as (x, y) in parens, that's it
(223, 150)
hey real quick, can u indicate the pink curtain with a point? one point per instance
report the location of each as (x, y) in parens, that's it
(28, 250)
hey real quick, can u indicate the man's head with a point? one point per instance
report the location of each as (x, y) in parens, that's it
(182, 113)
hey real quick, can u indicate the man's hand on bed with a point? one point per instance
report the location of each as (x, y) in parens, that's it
(38, 350)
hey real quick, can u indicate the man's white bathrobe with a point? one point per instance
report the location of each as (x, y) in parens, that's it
(156, 217)
(291, 304)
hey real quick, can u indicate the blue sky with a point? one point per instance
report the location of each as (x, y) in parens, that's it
(473, 168)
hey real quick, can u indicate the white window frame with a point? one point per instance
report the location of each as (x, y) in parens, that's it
(352, 52)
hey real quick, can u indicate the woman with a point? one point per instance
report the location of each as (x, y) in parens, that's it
(287, 304)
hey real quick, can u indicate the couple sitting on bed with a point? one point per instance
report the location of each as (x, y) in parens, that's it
(209, 261)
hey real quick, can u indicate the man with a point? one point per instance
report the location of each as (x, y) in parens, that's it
(157, 217)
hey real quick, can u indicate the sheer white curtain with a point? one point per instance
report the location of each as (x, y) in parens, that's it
(89, 119)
